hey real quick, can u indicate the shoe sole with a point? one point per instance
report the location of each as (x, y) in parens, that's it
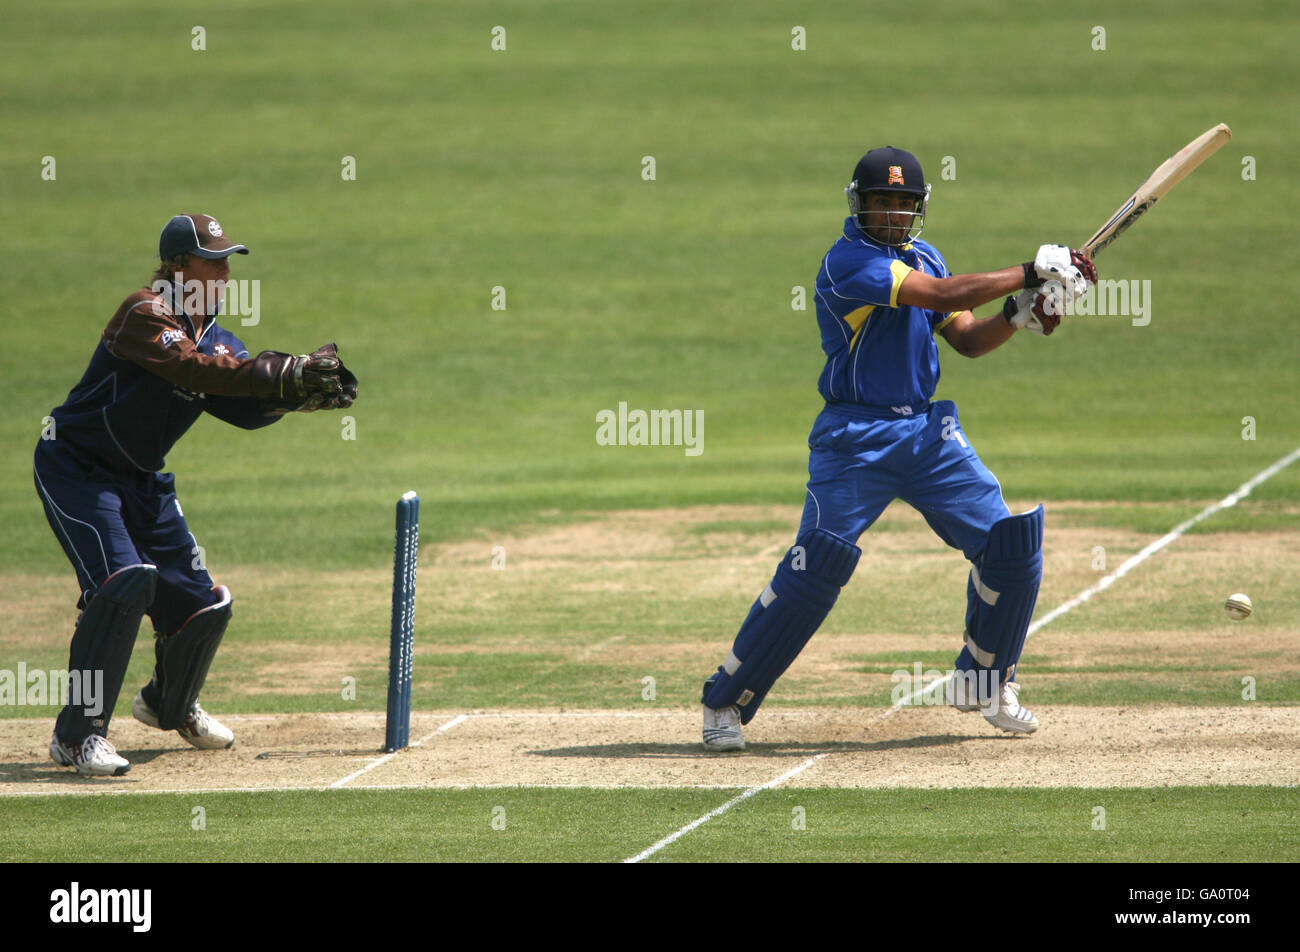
(1026, 729)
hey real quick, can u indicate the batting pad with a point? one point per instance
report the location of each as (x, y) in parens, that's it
(1001, 593)
(184, 658)
(782, 620)
(103, 641)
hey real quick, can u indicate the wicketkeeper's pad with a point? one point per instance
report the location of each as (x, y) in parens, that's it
(782, 620)
(103, 641)
(184, 658)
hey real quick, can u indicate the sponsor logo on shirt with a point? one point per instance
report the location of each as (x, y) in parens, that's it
(171, 336)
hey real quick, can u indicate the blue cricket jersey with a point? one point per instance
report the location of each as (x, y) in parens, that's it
(879, 353)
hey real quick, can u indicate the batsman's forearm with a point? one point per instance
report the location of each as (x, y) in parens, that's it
(965, 292)
(986, 334)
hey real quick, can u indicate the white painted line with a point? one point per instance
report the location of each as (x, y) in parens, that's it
(458, 719)
(96, 788)
(605, 714)
(1173, 534)
(674, 837)
(1234, 497)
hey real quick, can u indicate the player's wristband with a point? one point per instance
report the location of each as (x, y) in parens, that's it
(1009, 309)
(1032, 280)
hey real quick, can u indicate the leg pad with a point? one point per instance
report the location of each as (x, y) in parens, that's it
(782, 620)
(103, 641)
(1001, 594)
(184, 658)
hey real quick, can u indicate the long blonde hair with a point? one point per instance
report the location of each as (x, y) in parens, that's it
(166, 270)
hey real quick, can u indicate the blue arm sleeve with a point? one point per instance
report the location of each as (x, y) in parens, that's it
(244, 412)
(248, 413)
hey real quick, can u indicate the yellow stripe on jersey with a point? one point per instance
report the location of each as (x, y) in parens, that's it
(858, 320)
(952, 316)
(899, 271)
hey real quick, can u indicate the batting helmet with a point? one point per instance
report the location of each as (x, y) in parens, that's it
(888, 170)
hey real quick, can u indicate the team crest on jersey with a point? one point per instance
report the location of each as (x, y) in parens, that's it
(171, 336)
(896, 175)
(214, 229)
(221, 350)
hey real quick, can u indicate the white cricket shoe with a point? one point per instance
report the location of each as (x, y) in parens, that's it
(200, 729)
(961, 692)
(93, 757)
(1006, 713)
(722, 728)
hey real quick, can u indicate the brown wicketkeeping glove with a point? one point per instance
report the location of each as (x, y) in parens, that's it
(347, 393)
(315, 381)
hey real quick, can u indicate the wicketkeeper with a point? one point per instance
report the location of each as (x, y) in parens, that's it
(882, 298)
(161, 362)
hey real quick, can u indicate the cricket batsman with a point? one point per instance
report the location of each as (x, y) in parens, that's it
(882, 296)
(162, 361)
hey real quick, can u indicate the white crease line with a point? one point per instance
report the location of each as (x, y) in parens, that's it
(94, 788)
(458, 719)
(608, 714)
(674, 837)
(1240, 493)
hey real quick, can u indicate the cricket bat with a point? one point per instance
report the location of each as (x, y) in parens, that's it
(1168, 174)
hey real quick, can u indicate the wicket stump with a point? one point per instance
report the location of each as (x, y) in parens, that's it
(406, 551)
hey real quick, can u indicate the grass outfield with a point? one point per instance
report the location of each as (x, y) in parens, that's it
(523, 170)
(1189, 824)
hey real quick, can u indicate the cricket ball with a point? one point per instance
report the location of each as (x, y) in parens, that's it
(1238, 606)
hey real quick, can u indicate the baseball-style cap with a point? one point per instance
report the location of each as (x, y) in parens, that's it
(196, 235)
(889, 170)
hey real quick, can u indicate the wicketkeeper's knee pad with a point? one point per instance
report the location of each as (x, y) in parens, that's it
(1001, 593)
(785, 616)
(183, 659)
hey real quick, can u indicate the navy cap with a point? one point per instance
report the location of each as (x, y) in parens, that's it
(889, 170)
(196, 235)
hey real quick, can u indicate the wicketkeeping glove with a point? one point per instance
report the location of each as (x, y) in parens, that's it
(315, 381)
(347, 393)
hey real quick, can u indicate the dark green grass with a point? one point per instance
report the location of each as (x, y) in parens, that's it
(357, 826)
(1187, 824)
